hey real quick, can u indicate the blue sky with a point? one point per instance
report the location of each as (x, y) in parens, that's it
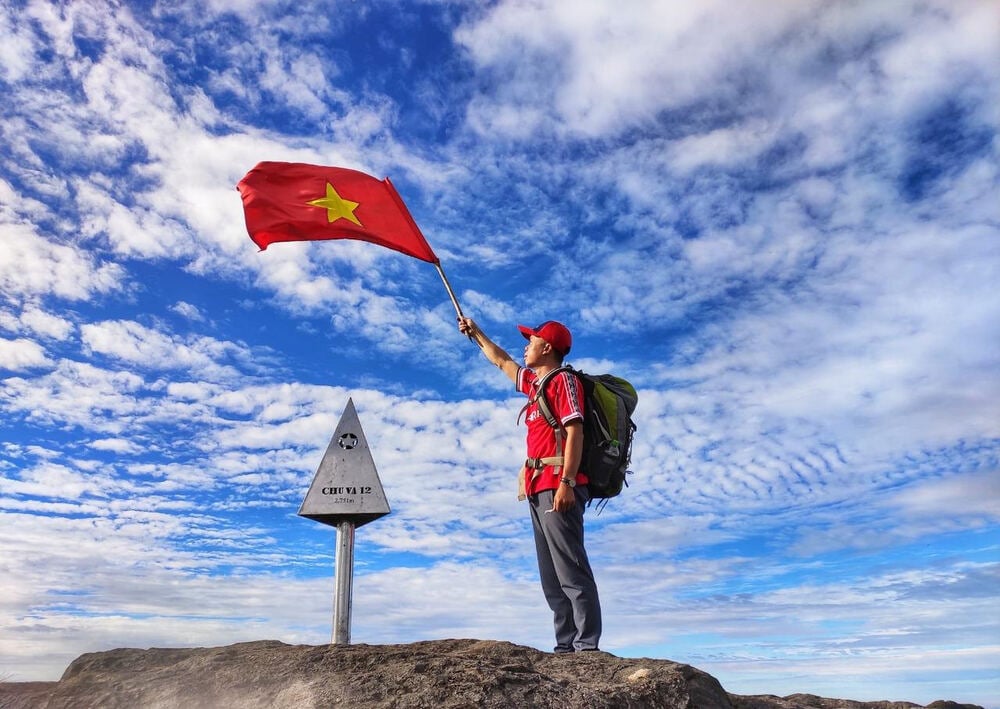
(779, 220)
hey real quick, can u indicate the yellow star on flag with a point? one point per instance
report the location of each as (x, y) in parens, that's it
(336, 206)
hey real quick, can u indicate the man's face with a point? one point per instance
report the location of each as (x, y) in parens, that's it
(534, 351)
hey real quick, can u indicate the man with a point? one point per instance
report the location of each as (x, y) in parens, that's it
(555, 487)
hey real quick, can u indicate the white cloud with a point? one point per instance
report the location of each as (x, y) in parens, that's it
(131, 231)
(77, 393)
(597, 71)
(46, 324)
(970, 495)
(724, 147)
(31, 266)
(137, 344)
(17, 52)
(186, 310)
(22, 354)
(116, 445)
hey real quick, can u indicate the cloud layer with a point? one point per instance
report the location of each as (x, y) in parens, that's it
(780, 223)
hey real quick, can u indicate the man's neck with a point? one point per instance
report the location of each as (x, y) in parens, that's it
(542, 369)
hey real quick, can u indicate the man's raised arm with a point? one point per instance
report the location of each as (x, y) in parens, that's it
(493, 352)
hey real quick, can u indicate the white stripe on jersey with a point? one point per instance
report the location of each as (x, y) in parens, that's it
(572, 386)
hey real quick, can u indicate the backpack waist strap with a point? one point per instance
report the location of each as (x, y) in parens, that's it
(539, 463)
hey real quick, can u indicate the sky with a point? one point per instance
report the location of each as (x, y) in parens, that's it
(778, 220)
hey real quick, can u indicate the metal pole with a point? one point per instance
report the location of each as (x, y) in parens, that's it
(344, 581)
(451, 293)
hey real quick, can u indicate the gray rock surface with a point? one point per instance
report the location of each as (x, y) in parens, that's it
(25, 695)
(432, 674)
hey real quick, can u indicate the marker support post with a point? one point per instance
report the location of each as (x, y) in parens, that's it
(343, 584)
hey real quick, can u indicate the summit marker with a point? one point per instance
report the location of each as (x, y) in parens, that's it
(345, 493)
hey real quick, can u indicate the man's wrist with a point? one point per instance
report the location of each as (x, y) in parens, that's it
(565, 480)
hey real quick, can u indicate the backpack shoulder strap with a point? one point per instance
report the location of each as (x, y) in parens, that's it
(542, 400)
(543, 406)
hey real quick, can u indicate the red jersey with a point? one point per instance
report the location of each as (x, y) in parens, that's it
(565, 397)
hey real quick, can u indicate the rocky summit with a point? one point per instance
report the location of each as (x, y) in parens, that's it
(431, 675)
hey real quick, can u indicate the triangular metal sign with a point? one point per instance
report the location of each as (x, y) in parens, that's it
(346, 487)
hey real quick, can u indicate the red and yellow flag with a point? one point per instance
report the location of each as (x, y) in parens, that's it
(285, 201)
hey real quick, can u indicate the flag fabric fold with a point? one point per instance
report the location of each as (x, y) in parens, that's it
(299, 202)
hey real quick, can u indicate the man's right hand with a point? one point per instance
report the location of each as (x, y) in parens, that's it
(466, 326)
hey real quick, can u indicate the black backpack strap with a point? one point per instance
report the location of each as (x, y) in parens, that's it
(542, 400)
(543, 406)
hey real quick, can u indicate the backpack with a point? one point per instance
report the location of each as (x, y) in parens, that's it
(607, 429)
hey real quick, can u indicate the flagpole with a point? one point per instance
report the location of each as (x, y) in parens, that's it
(451, 293)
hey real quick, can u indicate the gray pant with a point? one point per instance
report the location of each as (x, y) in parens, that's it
(567, 580)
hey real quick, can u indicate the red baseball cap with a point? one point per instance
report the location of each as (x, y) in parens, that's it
(555, 333)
